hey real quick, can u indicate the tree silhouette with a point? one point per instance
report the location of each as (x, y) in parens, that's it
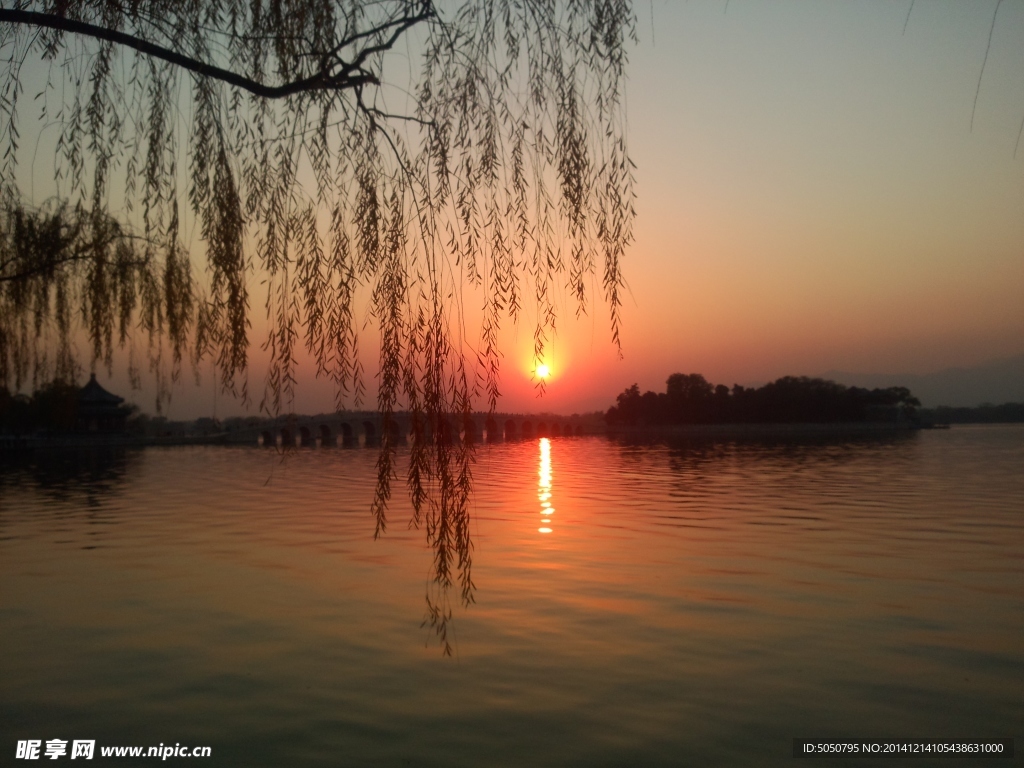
(504, 167)
(690, 399)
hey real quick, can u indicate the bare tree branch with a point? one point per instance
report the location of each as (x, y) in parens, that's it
(350, 76)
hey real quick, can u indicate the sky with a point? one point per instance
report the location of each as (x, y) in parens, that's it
(812, 196)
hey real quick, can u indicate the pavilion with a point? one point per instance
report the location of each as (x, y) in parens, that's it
(99, 410)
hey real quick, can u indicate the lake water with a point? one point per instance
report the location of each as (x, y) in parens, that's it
(696, 604)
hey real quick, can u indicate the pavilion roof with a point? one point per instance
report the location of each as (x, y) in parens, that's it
(93, 394)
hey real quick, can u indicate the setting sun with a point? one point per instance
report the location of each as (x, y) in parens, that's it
(543, 371)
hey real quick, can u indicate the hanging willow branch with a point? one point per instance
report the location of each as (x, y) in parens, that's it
(266, 126)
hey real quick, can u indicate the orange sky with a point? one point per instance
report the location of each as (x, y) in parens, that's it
(811, 197)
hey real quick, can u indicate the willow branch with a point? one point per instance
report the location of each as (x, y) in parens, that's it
(55, 266)
(403, 23)
(351, 75)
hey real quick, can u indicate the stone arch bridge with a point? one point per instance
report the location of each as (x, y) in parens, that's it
(351, 429)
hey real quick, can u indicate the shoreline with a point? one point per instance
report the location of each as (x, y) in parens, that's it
(836, 429)
(786, 429)
(32, 442)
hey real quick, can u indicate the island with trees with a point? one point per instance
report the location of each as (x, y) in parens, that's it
(690, 403)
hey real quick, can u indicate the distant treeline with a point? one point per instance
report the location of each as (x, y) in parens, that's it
(690, 399)
(983, 414)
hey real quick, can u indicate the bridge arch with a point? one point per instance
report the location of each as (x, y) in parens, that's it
(491, 426)
(526, 430)
(444, 430)
(510, 430)
(346, 436)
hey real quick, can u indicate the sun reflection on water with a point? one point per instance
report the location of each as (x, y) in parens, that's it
(544, 486)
